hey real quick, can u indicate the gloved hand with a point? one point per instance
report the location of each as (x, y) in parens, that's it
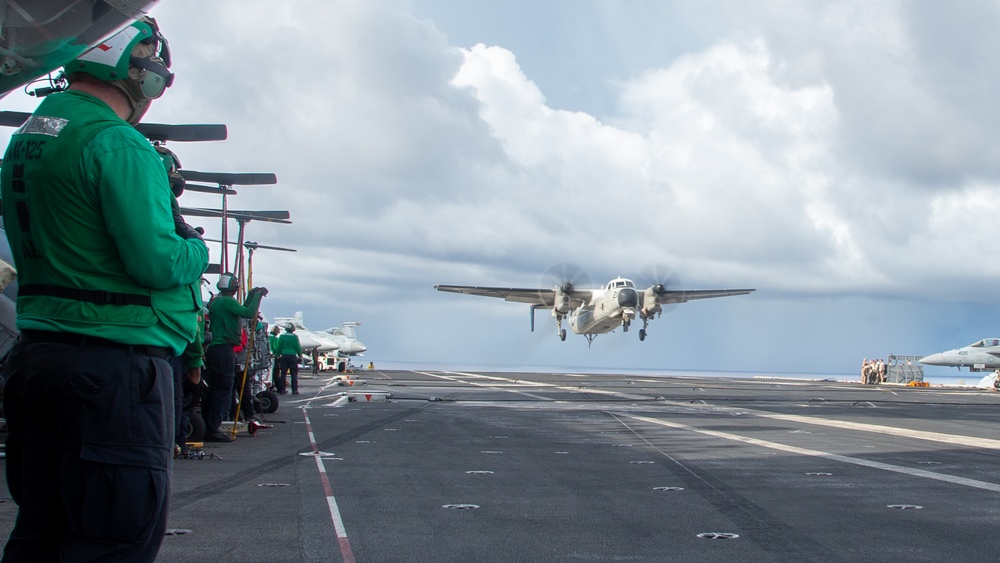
(184, 230)
(261, 290)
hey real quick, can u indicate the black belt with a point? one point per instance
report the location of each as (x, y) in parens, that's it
(85, 341)
(99, 297)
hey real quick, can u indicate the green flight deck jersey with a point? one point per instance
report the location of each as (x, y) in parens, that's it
(224, 314)
(86, 208)
(288, 344)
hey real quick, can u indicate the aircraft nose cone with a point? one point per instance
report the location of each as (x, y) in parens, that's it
(357, 347)
(933, 360)
(628, 298)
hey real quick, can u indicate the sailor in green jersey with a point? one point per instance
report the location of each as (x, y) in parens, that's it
(272, 341)
(106, 297)
(289, 354)
(224, 317)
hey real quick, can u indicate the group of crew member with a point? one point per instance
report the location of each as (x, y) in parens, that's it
(873, 372)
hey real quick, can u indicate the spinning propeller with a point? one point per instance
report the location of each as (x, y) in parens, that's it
(563, 278)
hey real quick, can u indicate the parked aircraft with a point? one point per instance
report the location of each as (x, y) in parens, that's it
(591, 312)
(347, 338)
(311, 341)
(979, 356)
(328, 348)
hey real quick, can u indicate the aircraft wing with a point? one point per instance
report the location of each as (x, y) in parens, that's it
(537, 297)
(541, 298)
(685, 295)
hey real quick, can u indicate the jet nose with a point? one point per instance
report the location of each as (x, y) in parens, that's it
(628, 298)
(933, 360)
(357, 347)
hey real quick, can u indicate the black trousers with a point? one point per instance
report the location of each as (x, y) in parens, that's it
(220, 372)
(290, 365)
(89, 451)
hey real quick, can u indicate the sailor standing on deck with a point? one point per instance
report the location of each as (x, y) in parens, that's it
(272, 342)
(224, 314)
(289, 354)
(106, 276)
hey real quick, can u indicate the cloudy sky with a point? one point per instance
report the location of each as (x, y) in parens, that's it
(841, 157)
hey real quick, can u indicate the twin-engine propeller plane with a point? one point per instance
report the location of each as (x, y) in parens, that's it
(591, 312)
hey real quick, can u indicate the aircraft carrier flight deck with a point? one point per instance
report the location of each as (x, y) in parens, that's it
(471, 466)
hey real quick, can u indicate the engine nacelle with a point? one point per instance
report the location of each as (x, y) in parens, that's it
(651, 301)
(561, 299)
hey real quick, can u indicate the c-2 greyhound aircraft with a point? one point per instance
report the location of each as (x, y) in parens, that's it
(591, 312)
(979, 356)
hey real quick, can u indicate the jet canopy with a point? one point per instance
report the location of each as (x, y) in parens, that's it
(986, 343)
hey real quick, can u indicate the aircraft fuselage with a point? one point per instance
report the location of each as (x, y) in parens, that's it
(979, 356)
(608, 310)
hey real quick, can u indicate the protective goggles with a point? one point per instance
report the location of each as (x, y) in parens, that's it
(158, 78)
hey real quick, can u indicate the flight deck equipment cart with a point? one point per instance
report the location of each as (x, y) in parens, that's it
(256, 361)
(904, 369)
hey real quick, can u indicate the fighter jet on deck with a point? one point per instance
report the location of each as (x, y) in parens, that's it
(978, 356)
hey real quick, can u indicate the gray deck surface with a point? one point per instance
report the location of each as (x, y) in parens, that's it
(569, 467)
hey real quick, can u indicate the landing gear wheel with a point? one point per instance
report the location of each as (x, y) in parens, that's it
(194, 428)
(268, 401)
(642, 334)
(562, 335)
(624, 327)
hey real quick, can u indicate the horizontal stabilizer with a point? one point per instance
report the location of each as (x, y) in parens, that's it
(152, 131)
(254, 245)
(183, 133)
(13, 118)
(209, 189)
(264, 216)
(231, 178)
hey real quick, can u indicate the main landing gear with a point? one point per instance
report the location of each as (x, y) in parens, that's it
(645, 325)
(560, 331)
